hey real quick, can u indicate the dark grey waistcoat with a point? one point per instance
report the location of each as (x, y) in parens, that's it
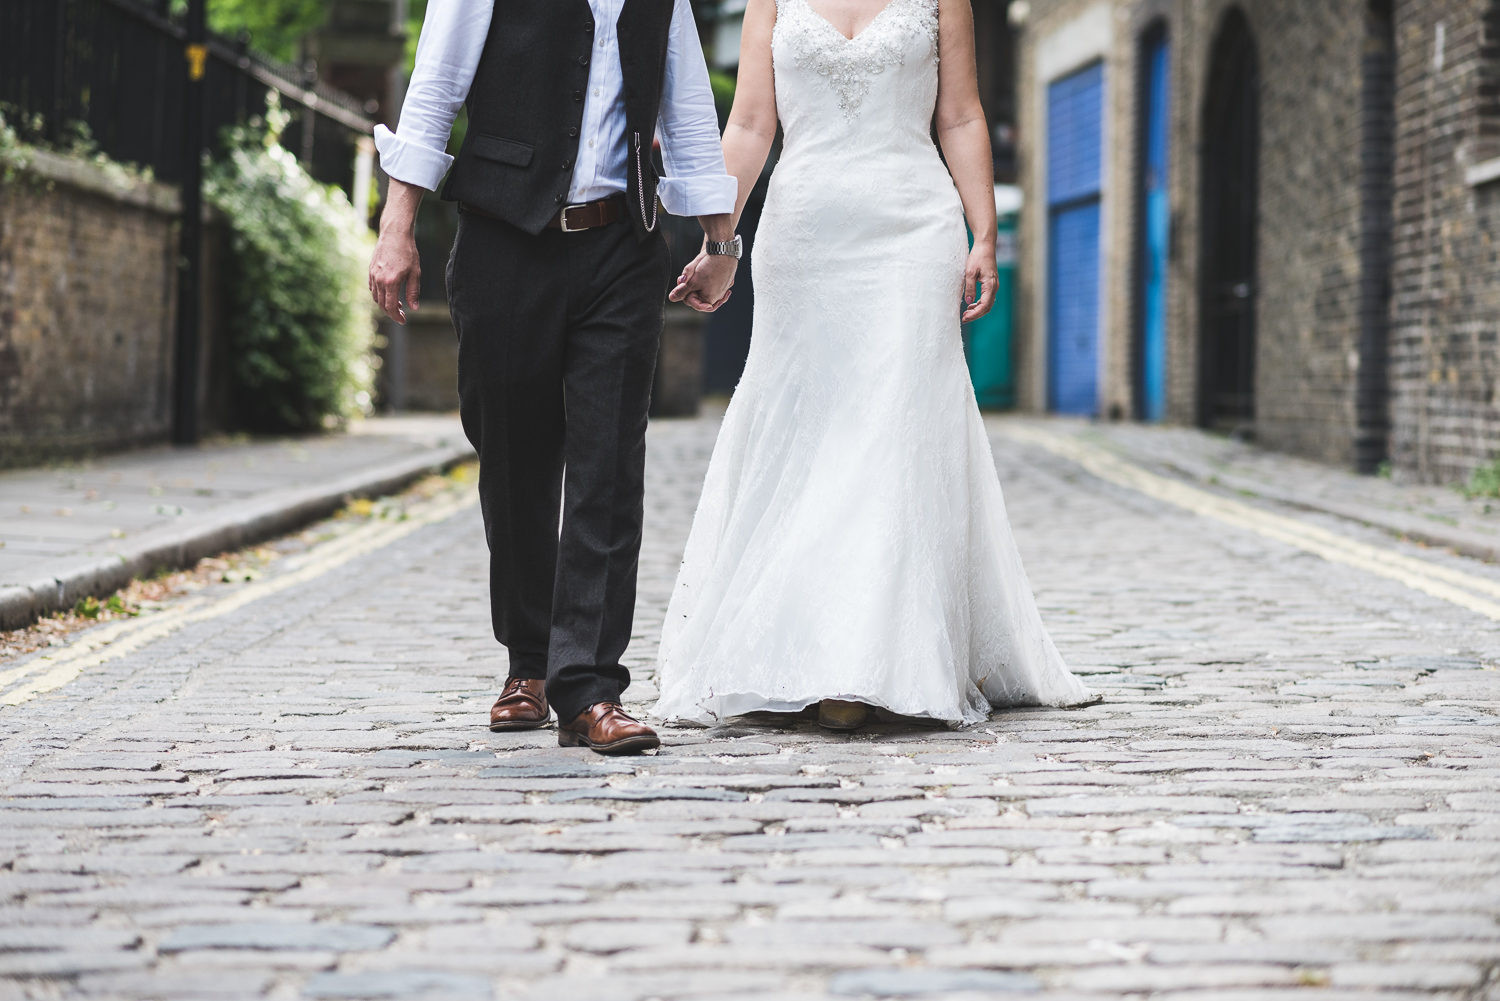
(526, 108)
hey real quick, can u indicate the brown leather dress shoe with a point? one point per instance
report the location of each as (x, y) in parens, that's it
(604, 727)
(522, 705)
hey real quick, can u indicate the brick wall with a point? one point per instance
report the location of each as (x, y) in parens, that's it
(87, 285)
(88, 299)
(1446, 285)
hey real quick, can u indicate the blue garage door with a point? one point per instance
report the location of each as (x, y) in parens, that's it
(1075, 106)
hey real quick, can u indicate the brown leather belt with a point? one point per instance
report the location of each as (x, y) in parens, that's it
(572, 218)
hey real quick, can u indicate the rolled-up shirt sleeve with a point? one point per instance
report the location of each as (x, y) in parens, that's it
(448, 51)
(695, 182)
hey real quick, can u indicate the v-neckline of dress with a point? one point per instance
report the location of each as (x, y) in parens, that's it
(850, 39)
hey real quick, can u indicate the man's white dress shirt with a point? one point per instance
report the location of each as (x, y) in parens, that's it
(448, 51)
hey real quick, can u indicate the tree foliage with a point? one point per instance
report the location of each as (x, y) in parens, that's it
(274, 26)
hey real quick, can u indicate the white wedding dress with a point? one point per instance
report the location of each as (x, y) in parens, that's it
(851, 541)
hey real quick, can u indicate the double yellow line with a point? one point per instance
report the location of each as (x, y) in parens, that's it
(116, 639)
(1463, 589)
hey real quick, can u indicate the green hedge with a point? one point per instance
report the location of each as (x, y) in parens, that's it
(300, 322)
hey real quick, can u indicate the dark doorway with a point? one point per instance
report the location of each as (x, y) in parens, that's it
(1377, 189)
(1231, 151)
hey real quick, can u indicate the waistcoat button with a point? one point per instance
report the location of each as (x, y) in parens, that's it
(558, 199)
(566, 164)
(578, 95)
(588, 26)
(572, 132)
(583, 60)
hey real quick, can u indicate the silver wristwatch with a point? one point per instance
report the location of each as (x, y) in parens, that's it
(725, 248)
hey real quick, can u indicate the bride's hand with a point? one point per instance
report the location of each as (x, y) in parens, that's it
(980, 268)
(686, 277)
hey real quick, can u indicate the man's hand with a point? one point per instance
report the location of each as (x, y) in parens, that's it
(705, 283)
(395, 263)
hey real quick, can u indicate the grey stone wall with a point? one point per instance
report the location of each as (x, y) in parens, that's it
(1309, 266)
(1446, 284)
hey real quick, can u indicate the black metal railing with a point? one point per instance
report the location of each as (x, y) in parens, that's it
(117, 66)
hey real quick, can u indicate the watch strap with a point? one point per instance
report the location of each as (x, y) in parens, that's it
(725, 248)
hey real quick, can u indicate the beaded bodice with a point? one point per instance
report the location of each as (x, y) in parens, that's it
(887, 72)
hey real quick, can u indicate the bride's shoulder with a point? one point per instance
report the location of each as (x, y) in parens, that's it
(926, 10)
(927, 13)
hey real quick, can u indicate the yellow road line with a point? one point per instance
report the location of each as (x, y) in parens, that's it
(1460, 588)
(117, 639)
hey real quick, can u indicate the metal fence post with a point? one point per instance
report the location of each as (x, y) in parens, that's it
(190, 246)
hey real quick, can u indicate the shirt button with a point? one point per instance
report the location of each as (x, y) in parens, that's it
(598, 91)
(591, 144)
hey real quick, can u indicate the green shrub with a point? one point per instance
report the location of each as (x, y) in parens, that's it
(21, 135)
(300, 326)
(1484, 481)
(15, 155)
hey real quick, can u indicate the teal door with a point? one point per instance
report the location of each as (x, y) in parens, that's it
(1156, 232)
(987, 341)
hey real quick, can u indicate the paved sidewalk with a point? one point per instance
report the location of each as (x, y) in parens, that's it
(1288, 792)
(86, 528)
(1439, 515)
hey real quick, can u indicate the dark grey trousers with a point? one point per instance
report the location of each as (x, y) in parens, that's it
(558, 336)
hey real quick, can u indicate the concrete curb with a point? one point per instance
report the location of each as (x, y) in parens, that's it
(1413, 529)
(1464, 542)
(230, 527)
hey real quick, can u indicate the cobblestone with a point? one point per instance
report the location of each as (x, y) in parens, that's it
(1289, 788)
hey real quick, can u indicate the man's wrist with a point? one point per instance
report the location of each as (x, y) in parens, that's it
(393, 226)
(399, 216)
(718, 228)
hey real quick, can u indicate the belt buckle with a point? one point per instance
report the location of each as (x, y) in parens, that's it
(562, 219)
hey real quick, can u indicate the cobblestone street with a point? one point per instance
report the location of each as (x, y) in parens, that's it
(1292, 785)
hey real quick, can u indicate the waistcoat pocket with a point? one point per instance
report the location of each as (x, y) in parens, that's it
(504, 150)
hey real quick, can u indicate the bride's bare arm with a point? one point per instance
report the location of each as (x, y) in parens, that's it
(752, 121)
(965, 138)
